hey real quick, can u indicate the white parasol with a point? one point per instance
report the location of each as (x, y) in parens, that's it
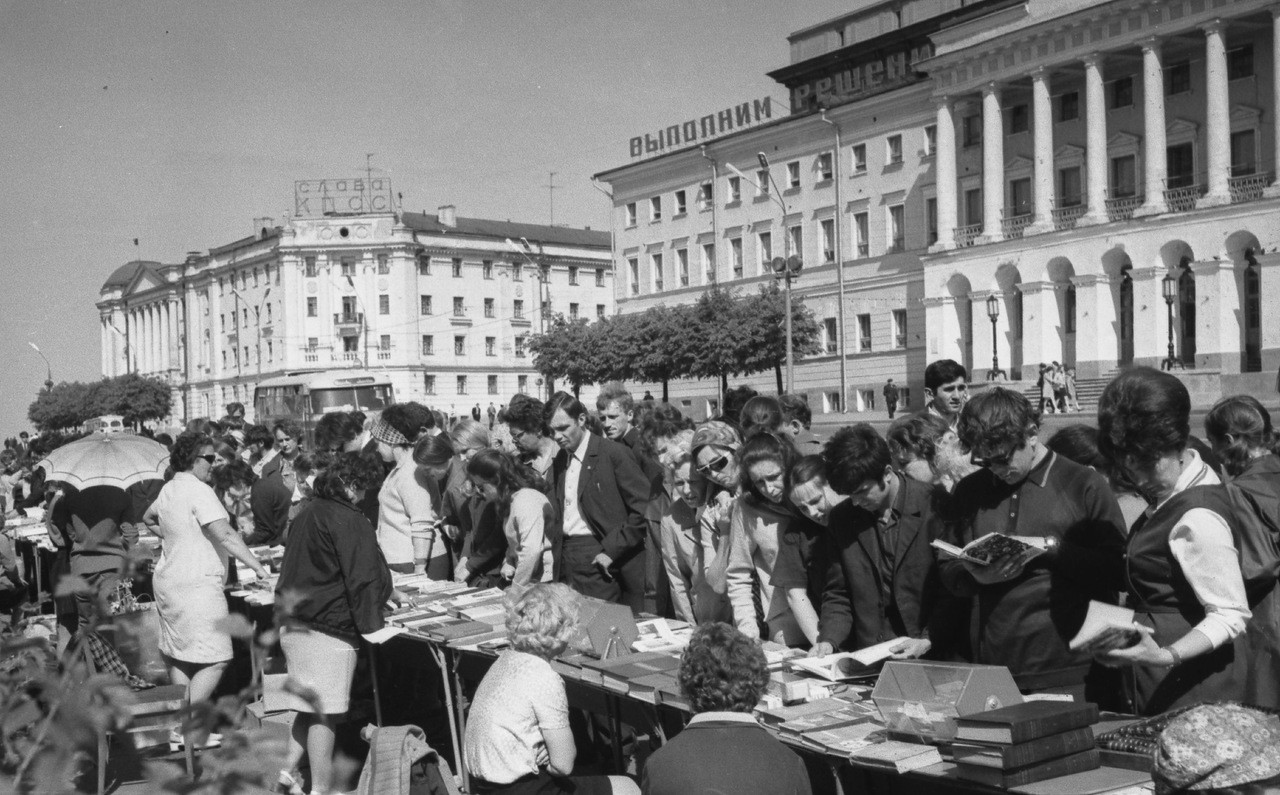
(107, 459)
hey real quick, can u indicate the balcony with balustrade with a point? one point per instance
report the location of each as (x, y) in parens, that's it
(1014, 226)
(1068, 217)
(967, 236)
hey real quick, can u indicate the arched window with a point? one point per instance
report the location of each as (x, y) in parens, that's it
(1126, 316)
(1252, 315)
(1187, 313)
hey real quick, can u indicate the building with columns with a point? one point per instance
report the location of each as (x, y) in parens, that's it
(1020, 181)
(442, 304)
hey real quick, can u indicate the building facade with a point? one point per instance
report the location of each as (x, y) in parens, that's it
(1061, 158)
(443, 305)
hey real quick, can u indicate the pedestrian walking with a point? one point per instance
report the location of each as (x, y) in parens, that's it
(891, 397)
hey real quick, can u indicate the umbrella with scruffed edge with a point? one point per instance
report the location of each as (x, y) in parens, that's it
(107, 459)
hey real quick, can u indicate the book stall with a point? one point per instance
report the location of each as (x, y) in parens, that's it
(879, 725)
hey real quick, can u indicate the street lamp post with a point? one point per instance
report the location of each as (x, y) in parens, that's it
(48, 369)
(993, 312)
(257, 333)
(1169, 289)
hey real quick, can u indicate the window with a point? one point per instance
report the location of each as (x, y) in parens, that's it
(1069, 106)
(735, 190)
(313, 307)
(860, 159)
(458, 309)
(459, 346)
(764, 244)
(1019, 119)
(488, 307)
(486, 267)
(270, 352)
(428, 345)
(796, 236)
(704, 196)
(762, 182)
(655, 263)
(864, 332)
(599, 277)
(309, 267)
(1069, 186)
(573, 274)
(931, 221)
(655, 208)
(224, 359)
(384, 342)
(1244, 153)
(573, 311)
(709, 262)
(735, 256)
(633, 275)
(429, 383)
(830, 339)
(894, 145)
(1069, 321)
(313, 343)
(897, 228)
(462, 385)
(268, 313)
(1240, 62)
(517, 272)
(1124, 176)
(681, 203)
(861, 239)
(631, 214)
(793, 174)
(931, 140)
(1020, 197)
(1122, 93)
(899, 328)
(973, 206)
(222, 319)
(520, 346)
(348, 268)
(824, 166)
(522, 384)
(244, 317)
(827, 230)
(457, 267)
(384, 266)
(971, 130)
(424, 265)
(682, 265)
(1178, 78)
(384, 305)
(599, 310)
(1181, 166)
(493, 384)
(424, 304)
(490, 346)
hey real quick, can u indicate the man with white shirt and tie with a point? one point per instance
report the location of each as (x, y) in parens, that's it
(601, 494)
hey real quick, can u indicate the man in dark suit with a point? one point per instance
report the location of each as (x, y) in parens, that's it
(884, 582)
(601, 495)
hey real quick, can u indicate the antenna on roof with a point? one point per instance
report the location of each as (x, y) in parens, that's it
(551, 196)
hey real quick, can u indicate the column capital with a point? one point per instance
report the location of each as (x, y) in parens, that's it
(1215, 25)
(991, 87)
(938, 300)
(944, 101)
(1150, 44)
(1041, 72)
(1091, 280)
(983, 295)
(1144, 274)
(1094, 59)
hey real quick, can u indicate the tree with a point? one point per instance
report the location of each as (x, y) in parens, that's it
(62, 406)
(567, 351)
(661, 344)
(764, 317)
(71, 403)
(718, 352)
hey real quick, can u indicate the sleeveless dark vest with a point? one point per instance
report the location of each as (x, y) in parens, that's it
(1165, 601)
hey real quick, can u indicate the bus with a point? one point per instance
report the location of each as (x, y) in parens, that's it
(307, 396)
(107, 423)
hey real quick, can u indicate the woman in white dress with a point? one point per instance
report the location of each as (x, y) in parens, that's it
(197, 540)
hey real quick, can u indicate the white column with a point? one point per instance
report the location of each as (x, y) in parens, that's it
(1095, 117)
(1097, 341)
(1217, 116)
(143, 341)
(1274, 190)
(945, 177)
(153, 346)
(128, 336)
(1154, 150)
(175, 349)
(1042, 332)
(1150, 317)
(1269, 304)
(1042, 114)
(942, 329)
(1219, 315)
(102, 346)
(992, 167)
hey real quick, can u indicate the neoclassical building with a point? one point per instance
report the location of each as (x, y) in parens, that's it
(440, 303)
(1025, 181)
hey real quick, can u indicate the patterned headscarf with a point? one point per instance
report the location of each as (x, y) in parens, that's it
(1212, 746)
(384, 432)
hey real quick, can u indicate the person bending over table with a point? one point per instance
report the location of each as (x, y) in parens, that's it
(518, 740)
(723, 748)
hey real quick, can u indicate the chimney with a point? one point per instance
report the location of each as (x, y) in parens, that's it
(262, 227)
(447, 215)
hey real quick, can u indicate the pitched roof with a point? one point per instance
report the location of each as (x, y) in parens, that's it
(534, 233)
(124, 275)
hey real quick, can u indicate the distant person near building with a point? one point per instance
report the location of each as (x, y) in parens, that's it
(891, 397)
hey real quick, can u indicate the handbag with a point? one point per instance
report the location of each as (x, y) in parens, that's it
(135, 631)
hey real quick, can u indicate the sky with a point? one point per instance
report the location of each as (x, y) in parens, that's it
(178, 123)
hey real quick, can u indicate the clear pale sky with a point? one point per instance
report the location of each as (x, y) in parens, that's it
(178, 123)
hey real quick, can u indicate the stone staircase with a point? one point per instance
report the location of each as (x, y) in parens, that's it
(1088, 390)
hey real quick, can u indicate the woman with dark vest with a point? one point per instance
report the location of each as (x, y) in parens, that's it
(1183, 567)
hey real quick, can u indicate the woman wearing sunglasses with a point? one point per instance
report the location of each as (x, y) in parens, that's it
(197, 540)
(523, 510)
(714, 481)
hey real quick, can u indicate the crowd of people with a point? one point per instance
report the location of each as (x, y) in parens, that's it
(745, 524)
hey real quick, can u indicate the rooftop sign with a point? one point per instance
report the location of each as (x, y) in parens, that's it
(713, 125)
(316, 197)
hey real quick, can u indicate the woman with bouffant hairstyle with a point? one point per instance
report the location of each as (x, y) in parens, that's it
(723, 749)
(518, 738)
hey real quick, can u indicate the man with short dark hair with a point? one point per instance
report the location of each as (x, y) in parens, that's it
(797, 418)
(891, 397)
(528, 425)
(946, 388)
(602, 494)
(1029, 609)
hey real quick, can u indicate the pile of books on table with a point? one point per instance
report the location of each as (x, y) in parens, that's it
(1024, 743)
(452, 613)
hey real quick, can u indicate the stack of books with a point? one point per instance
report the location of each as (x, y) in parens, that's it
(897, 756)
(1024, 743)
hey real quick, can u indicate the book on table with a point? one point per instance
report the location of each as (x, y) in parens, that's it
(1026, 721)
(774, 716)
(1108, 626)
(994, 546)
(849, 664)
(1016, 755)
(458, 628)
(901, 757)
(854, 713)
(1029, 774)
(843, 740)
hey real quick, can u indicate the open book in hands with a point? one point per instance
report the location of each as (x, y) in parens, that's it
(995, 546)
(1107, 627)
(850, 664)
